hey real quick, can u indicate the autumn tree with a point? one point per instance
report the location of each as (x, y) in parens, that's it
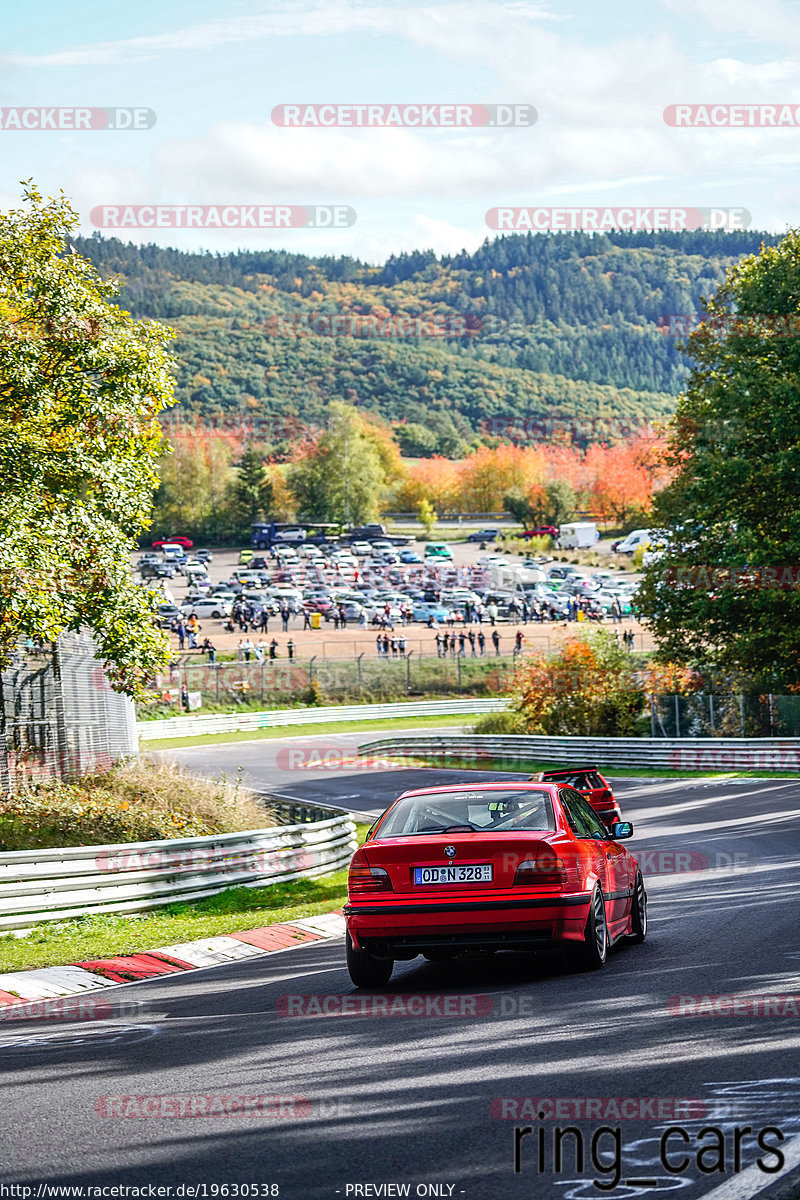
(81, 387)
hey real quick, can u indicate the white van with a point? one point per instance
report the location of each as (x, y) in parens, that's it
(637, 539)
(577, 536)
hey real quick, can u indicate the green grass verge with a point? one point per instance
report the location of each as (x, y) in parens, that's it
(384, 724)
(531, 767)
(229, 912)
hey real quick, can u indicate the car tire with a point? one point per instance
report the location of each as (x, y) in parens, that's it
(639, 911)
(365, 969)
(216, 613)
(592, 953)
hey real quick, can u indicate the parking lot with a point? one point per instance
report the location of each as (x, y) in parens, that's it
(477, 589)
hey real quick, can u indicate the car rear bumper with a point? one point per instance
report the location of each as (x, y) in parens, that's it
(405, 926)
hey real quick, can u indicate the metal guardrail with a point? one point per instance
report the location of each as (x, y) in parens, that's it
(196, 726)
(37, 886)
(714, 754)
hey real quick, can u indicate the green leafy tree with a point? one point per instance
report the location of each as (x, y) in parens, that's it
(340, 478)
(560, 502)
(732, 510)
(81, 386)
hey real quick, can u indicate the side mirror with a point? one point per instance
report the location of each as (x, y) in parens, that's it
(620, 830)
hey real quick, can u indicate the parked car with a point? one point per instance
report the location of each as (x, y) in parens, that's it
(204, 555)
(409, 556)
(438, 550)
(211, 606)
(542, 531)
(424, 610)
(166, 614)
(184, 542)
(636, 539)
(591, 784)
(490, 866)
(483, 535)
(164, 570)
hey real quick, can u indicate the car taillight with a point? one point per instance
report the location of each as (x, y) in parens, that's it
(547, 868)
(364, 878)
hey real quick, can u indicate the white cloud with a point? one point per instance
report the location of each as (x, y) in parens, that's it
(767, 21)
(424, 26)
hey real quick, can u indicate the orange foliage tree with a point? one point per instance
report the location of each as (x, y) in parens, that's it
(589, 688)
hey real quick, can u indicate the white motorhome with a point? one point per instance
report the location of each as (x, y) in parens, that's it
(580, 535)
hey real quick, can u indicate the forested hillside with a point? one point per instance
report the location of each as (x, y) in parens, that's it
(564, 328)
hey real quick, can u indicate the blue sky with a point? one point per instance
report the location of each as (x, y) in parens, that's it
(599, 75)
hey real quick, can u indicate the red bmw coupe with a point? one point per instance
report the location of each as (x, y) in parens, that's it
(515, 866)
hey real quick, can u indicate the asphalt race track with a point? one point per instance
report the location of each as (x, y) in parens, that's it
(434, 1100)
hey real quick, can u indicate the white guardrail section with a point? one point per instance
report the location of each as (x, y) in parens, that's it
(175, 727)
(694, 754)
(55, 885)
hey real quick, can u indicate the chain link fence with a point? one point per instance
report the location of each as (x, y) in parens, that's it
(58, 714)
(725, 715)
(281, 682)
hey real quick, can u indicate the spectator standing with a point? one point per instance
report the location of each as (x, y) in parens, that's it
(285, 617)
(471, 636)
(496, 641)
(210, 649)
(290, 649)
(518, 640)
(273, 649)
(482, 642)
(181, 631)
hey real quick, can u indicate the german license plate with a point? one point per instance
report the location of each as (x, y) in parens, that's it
(474, 873)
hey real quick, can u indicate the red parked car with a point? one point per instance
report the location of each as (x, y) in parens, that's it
(187, 543)
(542, 531)
(591, 784)
(497, 866)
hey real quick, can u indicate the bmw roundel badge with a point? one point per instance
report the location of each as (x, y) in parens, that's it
(450, 851)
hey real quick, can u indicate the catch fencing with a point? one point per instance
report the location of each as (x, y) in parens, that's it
(58, 714)
(37, 886)
(697, 754)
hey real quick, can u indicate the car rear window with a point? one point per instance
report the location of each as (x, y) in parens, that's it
(582, 781)
(484, 811)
